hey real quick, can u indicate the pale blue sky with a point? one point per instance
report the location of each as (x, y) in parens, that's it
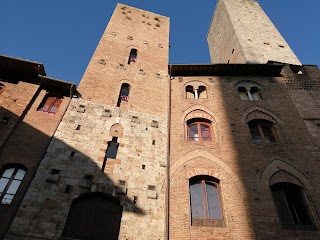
(63, 34)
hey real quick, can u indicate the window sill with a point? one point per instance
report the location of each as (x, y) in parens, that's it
(199, 222)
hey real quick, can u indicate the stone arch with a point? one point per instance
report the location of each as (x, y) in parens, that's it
(290, 171)
(255, 111)
(179, 163)
(116, 130)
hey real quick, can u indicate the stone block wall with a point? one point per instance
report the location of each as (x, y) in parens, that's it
(240, 32)
(137, 177)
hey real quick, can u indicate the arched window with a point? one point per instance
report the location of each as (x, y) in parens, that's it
(196, 92)
(93, 216)
(133, 55)
(124, 94)
(202, 92)
(289, 201)
(249, 91)
(205, 198)
(262, 131)
(199, 129)
(9, 183)
(189, 92)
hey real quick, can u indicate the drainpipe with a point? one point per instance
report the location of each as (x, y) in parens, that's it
(168, 153)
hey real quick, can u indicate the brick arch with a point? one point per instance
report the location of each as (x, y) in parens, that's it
(206, 113)
(129, 47)
(277, 165)
(121, 81)
(206, 171)
(247, 82)
(257, 112)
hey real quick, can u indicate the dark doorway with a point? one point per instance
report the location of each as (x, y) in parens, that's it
(94, 216)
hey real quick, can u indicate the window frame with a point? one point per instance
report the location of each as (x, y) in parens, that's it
(246, 92)
(199, 131)
(259, 124)
(10, 181)
(52, 102)
(207, 221)
(298, 218)
(133, 55)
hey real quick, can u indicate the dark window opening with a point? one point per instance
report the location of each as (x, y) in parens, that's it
(50, 104)
(262, 131)
(199, 129)
(290, 204)
(189, 92)
(133, 55)
(124, 94)
(205, 201)
(112, 151)
(250, 93)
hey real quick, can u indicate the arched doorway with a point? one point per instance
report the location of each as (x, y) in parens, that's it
(94, 216)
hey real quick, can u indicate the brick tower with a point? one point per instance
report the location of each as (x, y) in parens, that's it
(240, 32)
(108, 158)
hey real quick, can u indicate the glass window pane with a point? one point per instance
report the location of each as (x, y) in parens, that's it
(282, 207)
(20, 174)
(213, 200)
(193, 132)
(3, 184)
(8, 173)
(197, 205)
(268, 135)
(7, 199)
(255, 134)
(13, 187)
(205, 132)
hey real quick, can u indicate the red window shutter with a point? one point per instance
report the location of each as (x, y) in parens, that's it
(55, 105)
(47, 105)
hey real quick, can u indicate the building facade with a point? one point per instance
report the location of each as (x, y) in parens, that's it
(227, 150)
(32, 106)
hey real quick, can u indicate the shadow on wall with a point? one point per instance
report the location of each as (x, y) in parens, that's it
(69, 194)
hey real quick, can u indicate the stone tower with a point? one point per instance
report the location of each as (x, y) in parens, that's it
(108, 158)
(240, 32)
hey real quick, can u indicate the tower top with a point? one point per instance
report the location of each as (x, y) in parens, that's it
(241, 32)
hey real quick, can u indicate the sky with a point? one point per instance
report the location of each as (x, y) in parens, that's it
(63, 34)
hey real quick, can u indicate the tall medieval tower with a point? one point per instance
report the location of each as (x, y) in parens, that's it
(108, 158)
(241, 32)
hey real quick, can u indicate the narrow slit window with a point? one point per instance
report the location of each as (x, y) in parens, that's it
(124, 94)
(112, 151)
(133, 55)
